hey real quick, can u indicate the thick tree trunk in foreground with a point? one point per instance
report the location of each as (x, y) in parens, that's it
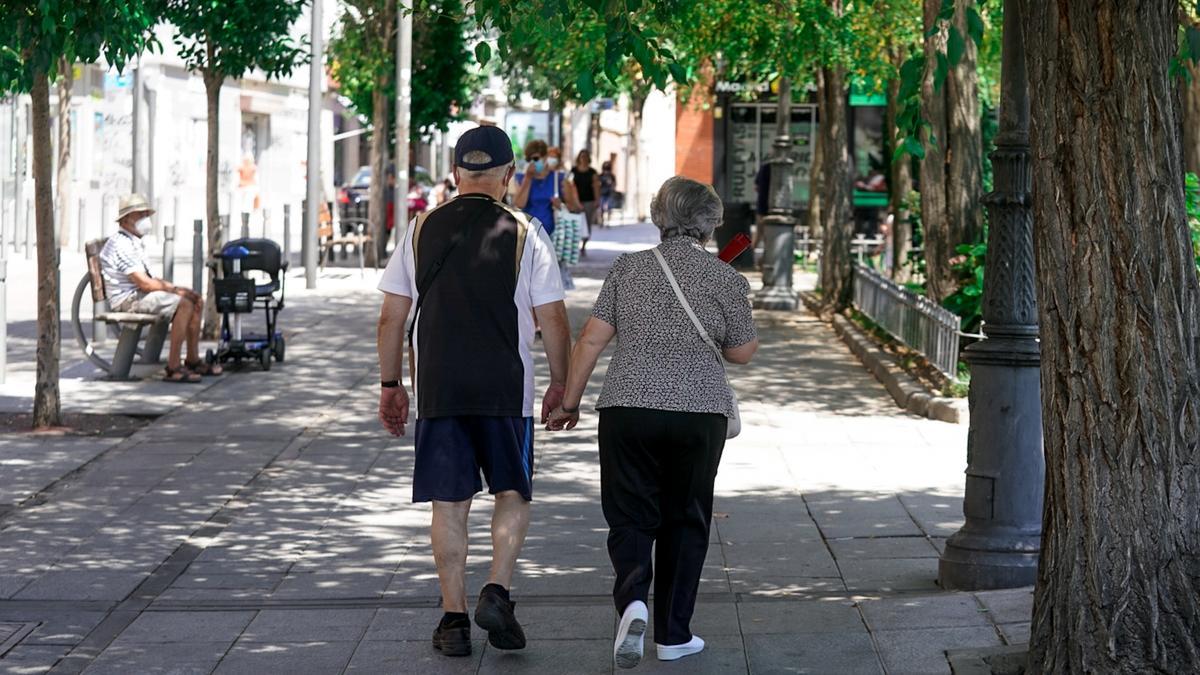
(1190, 95)
(951, 172)
(1119, 579)
(899, 184)
(836, 224)
(63, 184)
(216, 238)
(376, 192)
(47, 410)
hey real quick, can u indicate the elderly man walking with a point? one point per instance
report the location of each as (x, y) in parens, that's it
(131, 288)
(474, 273)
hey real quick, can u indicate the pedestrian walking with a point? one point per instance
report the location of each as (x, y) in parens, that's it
(608, 191)
(665, 411)
(544, 191)
(474, 273)
(587, 185)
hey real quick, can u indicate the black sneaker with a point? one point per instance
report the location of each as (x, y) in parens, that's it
(454, 638)
(494, 613)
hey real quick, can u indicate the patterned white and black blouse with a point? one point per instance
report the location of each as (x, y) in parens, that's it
(661, 362)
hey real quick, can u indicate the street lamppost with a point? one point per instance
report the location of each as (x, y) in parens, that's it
(315, 71)
(779, 225)
(999, 544)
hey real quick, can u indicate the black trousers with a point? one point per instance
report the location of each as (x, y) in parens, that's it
(656, 486)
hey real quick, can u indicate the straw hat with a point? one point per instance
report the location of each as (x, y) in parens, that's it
(134, 203)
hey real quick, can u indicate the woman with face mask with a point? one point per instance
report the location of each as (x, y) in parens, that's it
(543, 189)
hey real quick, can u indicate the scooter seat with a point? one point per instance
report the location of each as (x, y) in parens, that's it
(263, 290)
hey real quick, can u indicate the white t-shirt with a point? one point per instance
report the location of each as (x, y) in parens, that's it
(538, 282)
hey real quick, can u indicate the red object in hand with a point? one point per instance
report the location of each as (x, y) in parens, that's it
(734, 248)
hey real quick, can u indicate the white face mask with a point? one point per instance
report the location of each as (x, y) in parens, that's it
(552, 162)
(142, 227)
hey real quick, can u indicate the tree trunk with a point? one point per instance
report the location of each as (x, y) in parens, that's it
(964, 140)
(216, 237)
(935, 219)
(836, 224)
(816, 176)
(63, 183)
(1119, 578)
(1190, 96)
(899, 184)
(47, 410)
(376, 192)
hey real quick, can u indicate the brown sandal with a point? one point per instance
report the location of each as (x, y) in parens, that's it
(181, 376)
(205, 368)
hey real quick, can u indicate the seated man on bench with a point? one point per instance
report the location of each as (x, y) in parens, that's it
(130, 288)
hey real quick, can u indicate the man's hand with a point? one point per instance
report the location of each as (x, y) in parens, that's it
(562, 420)
(552, 399)
(393, 409)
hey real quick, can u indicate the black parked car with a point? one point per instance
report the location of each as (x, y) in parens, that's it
(354, 197)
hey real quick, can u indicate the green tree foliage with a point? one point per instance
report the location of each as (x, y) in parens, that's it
(34, 37)
(222, 39)
(443, 78)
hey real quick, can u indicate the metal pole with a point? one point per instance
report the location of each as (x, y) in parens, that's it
(136, 123)
(198, 256)
(245, 225)
(315, 71)
(287, 233)
(266, 220)
(19, 136)
(3, 315)
(169, 253)
(403, 106)
(999, 545)
(82, 225)
(780, 222)
(27, 238)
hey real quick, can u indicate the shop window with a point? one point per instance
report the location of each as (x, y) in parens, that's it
(751, 136)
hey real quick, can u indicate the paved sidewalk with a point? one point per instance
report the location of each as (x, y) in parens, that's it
(263, 524)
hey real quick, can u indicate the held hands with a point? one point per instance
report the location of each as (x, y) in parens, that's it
(561, 420)
(552, 400)
(393, 409)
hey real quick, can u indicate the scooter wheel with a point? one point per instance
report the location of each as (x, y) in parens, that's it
(278, 349)
(264, 358)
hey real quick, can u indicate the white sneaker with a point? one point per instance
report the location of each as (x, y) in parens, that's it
(627, 651)
(672, 652)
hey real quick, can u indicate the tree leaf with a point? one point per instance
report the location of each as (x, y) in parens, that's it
(975, 26)
(483, 53)
(914, 147)
(955, 46)
(939, 73)
(586, 84)
(678, 72)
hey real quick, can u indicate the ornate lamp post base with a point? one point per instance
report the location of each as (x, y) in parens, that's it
(779, 255)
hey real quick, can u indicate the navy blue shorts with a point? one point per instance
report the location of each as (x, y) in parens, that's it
(451, 451)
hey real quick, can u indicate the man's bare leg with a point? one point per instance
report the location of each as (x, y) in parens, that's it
(449, 534)
(193, 332)
(510, 522)
(180, 325)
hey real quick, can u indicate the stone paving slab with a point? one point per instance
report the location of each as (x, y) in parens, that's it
(285, 514)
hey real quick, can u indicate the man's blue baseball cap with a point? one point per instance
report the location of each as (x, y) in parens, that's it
(486, 139)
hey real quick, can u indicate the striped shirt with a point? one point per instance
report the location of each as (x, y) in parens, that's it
(122, 254)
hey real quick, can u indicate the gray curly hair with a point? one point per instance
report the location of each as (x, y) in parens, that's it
(688, 208)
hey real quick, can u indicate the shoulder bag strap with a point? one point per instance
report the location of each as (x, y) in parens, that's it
(687, 307)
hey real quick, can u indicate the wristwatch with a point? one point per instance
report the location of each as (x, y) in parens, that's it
(390, 384)
(570, 411)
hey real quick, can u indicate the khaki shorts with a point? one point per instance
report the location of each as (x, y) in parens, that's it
(161, 303)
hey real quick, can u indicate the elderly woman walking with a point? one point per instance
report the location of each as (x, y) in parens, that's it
(665, 409)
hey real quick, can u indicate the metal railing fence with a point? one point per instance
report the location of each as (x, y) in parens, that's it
(914, 319)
